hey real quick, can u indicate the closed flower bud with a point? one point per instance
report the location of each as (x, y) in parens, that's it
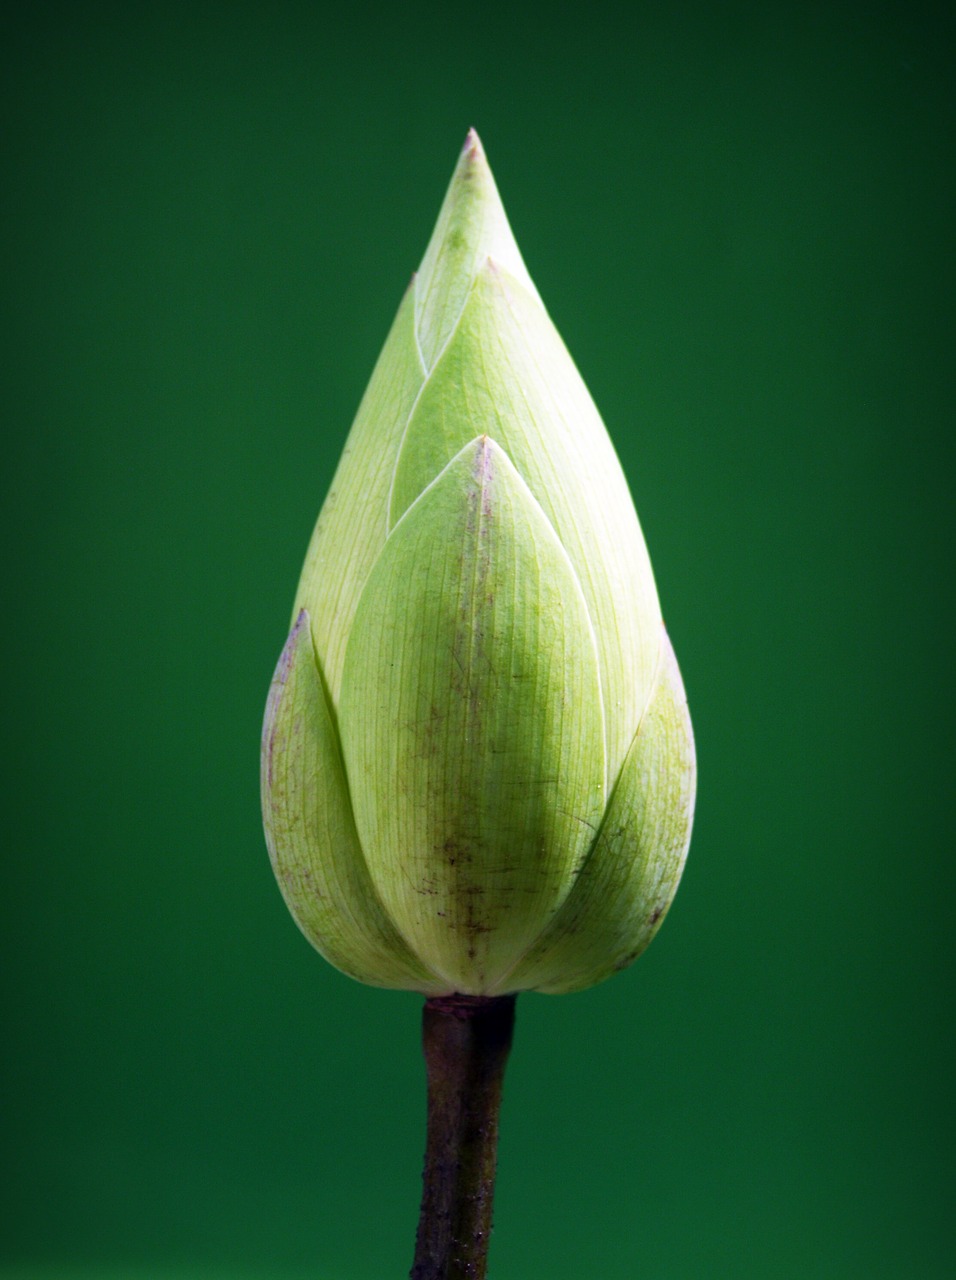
(478, 767)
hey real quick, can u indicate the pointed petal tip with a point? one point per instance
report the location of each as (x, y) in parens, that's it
(473, 149)
(472, 226)
(472, 160)
(485, 449)
(286, 660)
(483, 457)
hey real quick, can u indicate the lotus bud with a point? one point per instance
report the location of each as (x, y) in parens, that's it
(478, 768)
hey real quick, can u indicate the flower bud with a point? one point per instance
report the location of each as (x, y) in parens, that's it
(478, 768)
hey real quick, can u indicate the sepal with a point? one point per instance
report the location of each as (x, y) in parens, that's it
(625, 887)
(310, 831)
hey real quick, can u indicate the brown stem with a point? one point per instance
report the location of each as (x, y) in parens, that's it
(466, 1041)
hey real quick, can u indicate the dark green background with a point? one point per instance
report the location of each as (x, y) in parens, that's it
(741, 218)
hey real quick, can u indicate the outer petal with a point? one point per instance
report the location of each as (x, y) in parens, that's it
(311, 833)
(632, 873)
(472, 721)
(353, 522)
(505, 372)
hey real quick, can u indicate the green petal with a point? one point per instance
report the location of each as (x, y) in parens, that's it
(472, 724)
(353, 522)
(631, 875)
(506, 373)
(472, 226)
(311, 834)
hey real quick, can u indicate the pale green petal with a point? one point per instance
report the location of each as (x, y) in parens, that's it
(471, 227)
(311, 833)
(353, 522)
(506, 373)
(471, 721)
(631, 875)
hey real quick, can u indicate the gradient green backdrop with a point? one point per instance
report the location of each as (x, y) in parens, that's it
(741, 218)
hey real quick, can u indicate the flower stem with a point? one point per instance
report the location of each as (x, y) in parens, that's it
(466, 1040)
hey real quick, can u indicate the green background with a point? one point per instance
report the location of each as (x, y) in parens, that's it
(741, 218)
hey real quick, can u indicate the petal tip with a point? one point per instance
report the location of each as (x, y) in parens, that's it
(473, 149)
